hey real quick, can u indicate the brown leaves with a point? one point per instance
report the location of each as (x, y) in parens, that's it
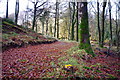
(33, 61)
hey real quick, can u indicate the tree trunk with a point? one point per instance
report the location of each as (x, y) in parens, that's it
(117, 36)
(42, 27)
(69, 22)
(50, 32)
(98, 23)
(16, 11)
(47, 26)
(103, 19)
(73, 22)
(110, 20)
(7, 10)
(34, 17)
(57, 20)
(84, 29)
(77, 24)
(36, 27)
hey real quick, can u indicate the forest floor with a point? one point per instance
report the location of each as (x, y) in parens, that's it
(27, 54)
(49, 60)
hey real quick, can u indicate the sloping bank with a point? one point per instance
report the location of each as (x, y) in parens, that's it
(19, 36)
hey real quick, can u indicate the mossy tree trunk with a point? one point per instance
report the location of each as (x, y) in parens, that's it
(84, 29)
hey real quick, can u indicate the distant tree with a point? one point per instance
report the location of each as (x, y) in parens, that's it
(55, 20)
(117, 42)
(11, 16)
(42, 19)
(47, 19)
(70, 20)
(99, 30)
(36, 11)
(16, 11)
(109, 3)
(57, 17)
(7, 10)
(103, 19)
(56, 27)
(84, 29)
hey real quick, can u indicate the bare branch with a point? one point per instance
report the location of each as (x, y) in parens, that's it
(41, 4)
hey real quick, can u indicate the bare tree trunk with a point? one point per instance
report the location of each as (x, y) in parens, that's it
(69, 22)
(36, 27)
(16, 11)
(57, 20)
(98, 23)
(103, 19)
(73, 22)
(77, 24)
(7, 10)
(42, 27)
(117, 39)
(34, 17)
(55, 28)
(47, 26)
(110, 19)
(50, 30)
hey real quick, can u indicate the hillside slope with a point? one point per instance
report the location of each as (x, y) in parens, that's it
(18, 36)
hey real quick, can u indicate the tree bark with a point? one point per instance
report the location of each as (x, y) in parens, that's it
(77, 24)
(16, 11)
(57, 20)
(69, 26)
(43, 27)
(7, 10)
(47, 26)
(117, 35)
(110, 19)
(84, 29)
(73, 22)
(99, 32)
(103, 19)
(34, 17)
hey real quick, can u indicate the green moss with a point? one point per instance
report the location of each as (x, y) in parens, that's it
(98, 71)
(85, 67)
(87, 48)
(84, 36)
(12, 25)
(5, 36)
(8, 21)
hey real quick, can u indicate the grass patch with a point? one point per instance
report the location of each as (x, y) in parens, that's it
(59, 72)
(85, 67)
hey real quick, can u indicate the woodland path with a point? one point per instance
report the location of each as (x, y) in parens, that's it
(33, 61)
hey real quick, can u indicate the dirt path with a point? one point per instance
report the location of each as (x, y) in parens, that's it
(33, 61)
